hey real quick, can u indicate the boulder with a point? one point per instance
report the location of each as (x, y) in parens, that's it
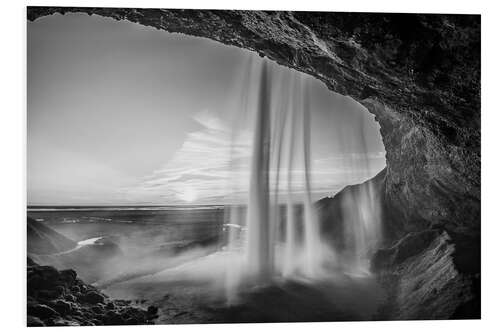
(68, 277)
(41, 311)
(98, 309)
(63, 307)
(92, 297)
(112, 318)
(34, 322)
(152, 310)
(64, 322)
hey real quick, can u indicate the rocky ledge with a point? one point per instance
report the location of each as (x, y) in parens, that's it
(425, 279)
(60, 298)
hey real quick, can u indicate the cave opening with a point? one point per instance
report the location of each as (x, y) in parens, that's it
(148, 79)
(170, 120)
(106, 155)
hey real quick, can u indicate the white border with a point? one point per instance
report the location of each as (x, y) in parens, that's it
(13, 140)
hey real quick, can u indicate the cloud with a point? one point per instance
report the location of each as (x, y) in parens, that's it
(213, 166)
(205, 165)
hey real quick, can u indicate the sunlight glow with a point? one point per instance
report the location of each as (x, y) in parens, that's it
(188, 194)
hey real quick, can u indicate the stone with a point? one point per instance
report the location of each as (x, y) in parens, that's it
(77, 311)
(123, 302)
(131, 321)
(62, 307)
(97, 309)
(112, 318)
(41, 311)
(93, 322)
(92, 297)
(64, 322)
(152, 310)
(34, 322)
(48, 275)
(68, 276)
(48, 294)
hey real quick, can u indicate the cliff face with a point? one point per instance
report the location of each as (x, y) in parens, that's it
(425, 279)
(337, 212)
(428, 274)
(419, 74)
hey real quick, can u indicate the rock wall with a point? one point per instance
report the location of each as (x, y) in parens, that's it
(419, 74)
(424, 281)
(427, 274)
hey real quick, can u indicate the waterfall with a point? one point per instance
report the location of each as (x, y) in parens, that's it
(363, 230)
(259, 247)
(312, 242)
(277, 233)
(289, 260)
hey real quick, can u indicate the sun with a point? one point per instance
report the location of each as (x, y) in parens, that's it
(188, 194)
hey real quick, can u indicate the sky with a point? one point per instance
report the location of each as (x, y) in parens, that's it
(124, 114)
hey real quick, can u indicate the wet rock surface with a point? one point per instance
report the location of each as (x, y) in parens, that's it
(424, 280)
(60, 298)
